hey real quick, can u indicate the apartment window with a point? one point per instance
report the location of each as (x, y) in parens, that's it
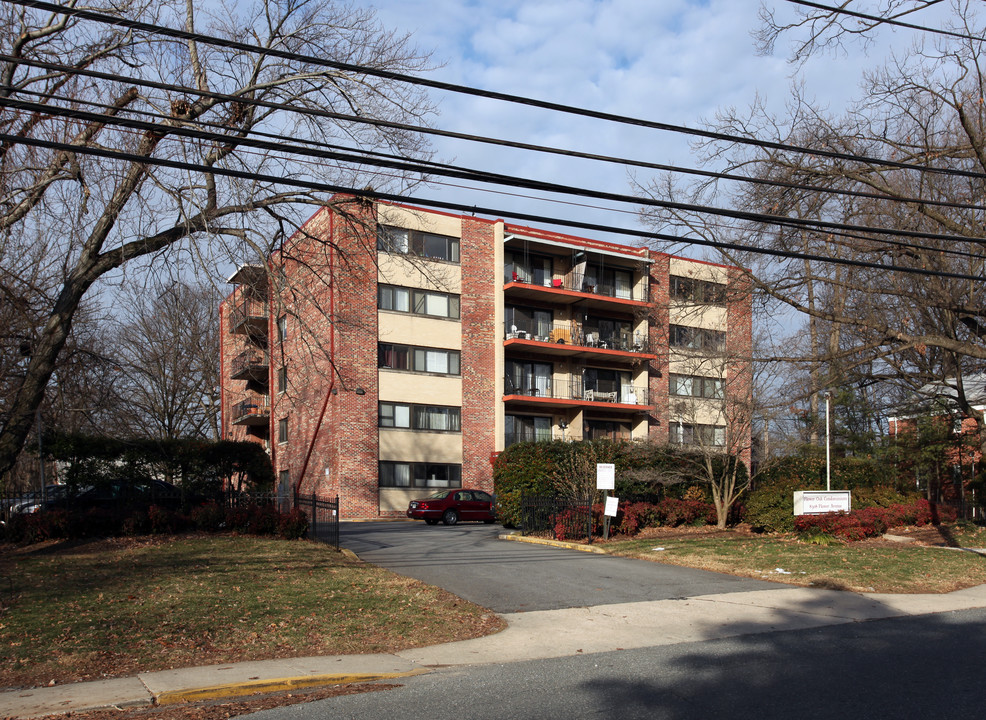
(697, 434)
(415, 242)
(282, 328)
(521, 267)
(609, 333)
(692, 338)
(433, 418)
(606, 430)
(420, 475)
(602, 280)
(607, 384)
(527, 378)
(418, 302)
(696, 386)
(282, 379)
(390, 297)
(533, 323)
(699, 292)
(282, 430)
(418, 359)
(526, 428)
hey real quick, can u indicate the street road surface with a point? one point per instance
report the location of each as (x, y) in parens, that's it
(469, 561)
(915, 667)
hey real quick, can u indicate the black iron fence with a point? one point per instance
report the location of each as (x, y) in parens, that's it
(322, 513)
(557, 517)
(323, 518)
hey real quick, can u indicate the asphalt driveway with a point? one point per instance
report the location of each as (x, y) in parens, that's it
(469, 561)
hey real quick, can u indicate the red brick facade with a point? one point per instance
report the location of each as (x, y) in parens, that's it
(322, 428)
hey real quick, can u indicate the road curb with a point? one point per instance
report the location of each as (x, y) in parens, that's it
(217, 692)
(553, 543)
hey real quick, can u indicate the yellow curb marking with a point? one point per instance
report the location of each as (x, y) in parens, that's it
(555, 543)
(276, 685)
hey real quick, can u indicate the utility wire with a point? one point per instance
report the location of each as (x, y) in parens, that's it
(467, 209)
(478, 175)
(475, 92)
(710, 174)
(885, 21)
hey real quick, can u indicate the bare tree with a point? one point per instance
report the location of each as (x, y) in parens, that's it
(167, 362)
(74, 78)
(903, 172)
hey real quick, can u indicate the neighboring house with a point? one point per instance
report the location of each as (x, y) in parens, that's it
(406, 353)
(944, 463)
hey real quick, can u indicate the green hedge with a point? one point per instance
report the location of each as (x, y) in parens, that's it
(196, 466)
(642, 470)
(770, 508)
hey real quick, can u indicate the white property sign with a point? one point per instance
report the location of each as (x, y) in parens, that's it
(815, 502)
(605, 476)
(612, 507)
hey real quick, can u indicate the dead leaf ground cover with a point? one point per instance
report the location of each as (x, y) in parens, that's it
(119, 607)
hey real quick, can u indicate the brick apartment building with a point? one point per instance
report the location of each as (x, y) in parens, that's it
(389, 350)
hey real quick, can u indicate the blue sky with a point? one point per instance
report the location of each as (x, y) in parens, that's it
(674, 61)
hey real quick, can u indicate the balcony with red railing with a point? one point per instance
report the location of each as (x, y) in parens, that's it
(573, 340)
(543, 392)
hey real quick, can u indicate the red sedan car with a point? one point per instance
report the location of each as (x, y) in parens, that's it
(451, 506)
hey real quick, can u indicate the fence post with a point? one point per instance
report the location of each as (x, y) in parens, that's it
(314, 518)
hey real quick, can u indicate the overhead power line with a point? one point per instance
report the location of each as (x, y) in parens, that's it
(629, 162)
(885, 20)
(484, 176)
(473, 209)
(466, 90)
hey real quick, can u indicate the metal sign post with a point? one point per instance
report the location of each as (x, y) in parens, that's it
(606, 481)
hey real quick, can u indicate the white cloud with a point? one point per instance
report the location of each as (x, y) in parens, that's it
(673, 61)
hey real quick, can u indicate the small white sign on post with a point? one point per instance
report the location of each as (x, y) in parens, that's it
(816, 502)
(605, 476)
(612, 506)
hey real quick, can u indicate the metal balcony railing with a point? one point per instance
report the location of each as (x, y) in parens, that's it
(577, 282)
(532, 436)
(255, 410)
(573, 333)
(248, 313)
(250, 364)
(576, 390)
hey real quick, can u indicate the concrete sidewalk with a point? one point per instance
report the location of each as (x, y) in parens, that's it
(533, 635)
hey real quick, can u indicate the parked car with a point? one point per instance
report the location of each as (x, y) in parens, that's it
(451, 506)
(137, 494)
(34, 500)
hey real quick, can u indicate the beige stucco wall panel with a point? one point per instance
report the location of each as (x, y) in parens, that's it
(698, 270)
(407, 329)
(412, 219)
(697, 410)
(393, 269)
(420, 388)
(711, 317)
(697, 364)
(396, 499)
(419, 446)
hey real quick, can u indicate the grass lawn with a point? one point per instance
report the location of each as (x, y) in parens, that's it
(868, 566)
(118, 607)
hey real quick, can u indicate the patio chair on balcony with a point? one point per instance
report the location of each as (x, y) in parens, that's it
(561, 335)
